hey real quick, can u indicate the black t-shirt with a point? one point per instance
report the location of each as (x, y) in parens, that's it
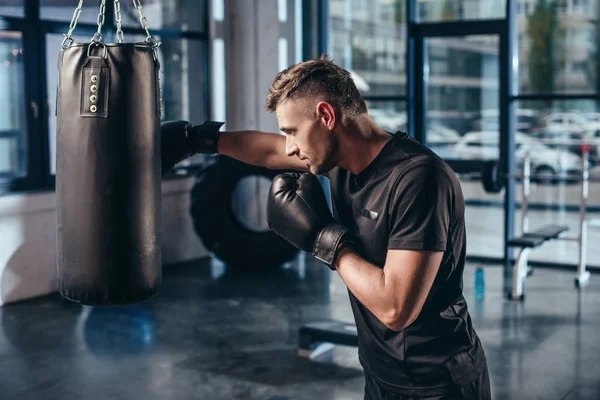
(409, 198)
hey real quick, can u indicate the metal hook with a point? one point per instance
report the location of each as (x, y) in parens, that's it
(99, 44)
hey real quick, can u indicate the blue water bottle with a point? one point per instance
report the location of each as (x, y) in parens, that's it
(479, 282)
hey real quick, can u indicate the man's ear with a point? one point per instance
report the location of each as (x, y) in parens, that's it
(326, 114)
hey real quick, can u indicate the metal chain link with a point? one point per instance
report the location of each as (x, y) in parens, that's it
(98, 35)
(145, 25)
(101, 19)
(76, 15)
(120, 37)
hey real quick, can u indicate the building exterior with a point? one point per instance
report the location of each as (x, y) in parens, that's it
(369, 37)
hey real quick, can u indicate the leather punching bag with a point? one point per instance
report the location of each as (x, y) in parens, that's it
(108, 171)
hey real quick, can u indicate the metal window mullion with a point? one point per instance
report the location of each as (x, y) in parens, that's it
(33, 149)
(508, 84)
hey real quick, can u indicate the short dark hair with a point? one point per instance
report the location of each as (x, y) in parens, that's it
(319, 78)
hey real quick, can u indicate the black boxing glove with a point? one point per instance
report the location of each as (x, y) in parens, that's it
(180, 140)
(297, 211)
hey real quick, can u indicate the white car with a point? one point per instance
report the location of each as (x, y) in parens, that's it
(489, 120)
(388, 120)
(441, 134)
(442, 139)
(567, 122)
(544, 160)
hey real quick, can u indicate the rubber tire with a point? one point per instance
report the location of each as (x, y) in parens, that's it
(492, 177)
(218, 228)
(544, 175)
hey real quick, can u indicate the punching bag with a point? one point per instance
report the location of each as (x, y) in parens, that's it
(108, 171)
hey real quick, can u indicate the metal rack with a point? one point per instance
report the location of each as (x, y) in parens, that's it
(533, 239)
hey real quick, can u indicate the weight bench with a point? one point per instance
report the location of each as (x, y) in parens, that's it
(316, 338)
(528, 242)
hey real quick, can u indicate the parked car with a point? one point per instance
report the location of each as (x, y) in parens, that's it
(488, 120)
(389, 120)
(439, 134)
(545, 161)
(571, 141)
(593, 139)
(569, 122)
(442, 139)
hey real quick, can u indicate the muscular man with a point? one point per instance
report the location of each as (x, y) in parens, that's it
(396, 238)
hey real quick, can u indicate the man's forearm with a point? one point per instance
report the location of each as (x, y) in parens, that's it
(251, 147)
(368, 284)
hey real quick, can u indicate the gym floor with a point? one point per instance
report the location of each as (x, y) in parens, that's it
(212, 334)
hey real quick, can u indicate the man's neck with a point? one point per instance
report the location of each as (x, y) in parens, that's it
(360, 144)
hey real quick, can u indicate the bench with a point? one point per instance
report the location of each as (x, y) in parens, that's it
(315, 338)
(527, 242)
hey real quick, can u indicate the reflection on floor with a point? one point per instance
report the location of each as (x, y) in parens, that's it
(214, 334)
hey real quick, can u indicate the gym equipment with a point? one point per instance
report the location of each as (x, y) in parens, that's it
(530, 240)
(316, 338)
(527, 242)
(108, 167)
(297, 210)
(219, 229)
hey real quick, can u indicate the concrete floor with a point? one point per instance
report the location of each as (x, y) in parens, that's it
(213, 334)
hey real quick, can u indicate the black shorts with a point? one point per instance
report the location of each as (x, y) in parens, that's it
(476, 390)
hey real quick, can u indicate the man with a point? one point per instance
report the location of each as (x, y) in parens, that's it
(397, 236)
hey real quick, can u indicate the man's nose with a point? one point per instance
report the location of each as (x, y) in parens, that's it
(291, 147)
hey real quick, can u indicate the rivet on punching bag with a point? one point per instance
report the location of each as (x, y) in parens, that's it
(108, 170)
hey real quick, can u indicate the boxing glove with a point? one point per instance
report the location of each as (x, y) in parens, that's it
(180, 140)
(297, 211)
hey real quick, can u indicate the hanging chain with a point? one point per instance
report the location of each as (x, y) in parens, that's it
(98, 35)
(118, 20)
(76, 15)
(101, 19)
(144, 23)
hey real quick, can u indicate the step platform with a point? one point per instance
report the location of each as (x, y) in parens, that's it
(318, 337)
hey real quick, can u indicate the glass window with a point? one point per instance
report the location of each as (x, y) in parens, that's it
(562, 6)
(456, 10)
(371, 43)
(564, 126)
(182, 78)
(556, 147)
(558, 47)
(13, 139)
(389, 115)
(183, 83)
(181, 15)
(59, 10)
(12, 8)
(463, 97)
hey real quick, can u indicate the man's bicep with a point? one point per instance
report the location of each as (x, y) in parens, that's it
(411, 275)
(420, 209)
